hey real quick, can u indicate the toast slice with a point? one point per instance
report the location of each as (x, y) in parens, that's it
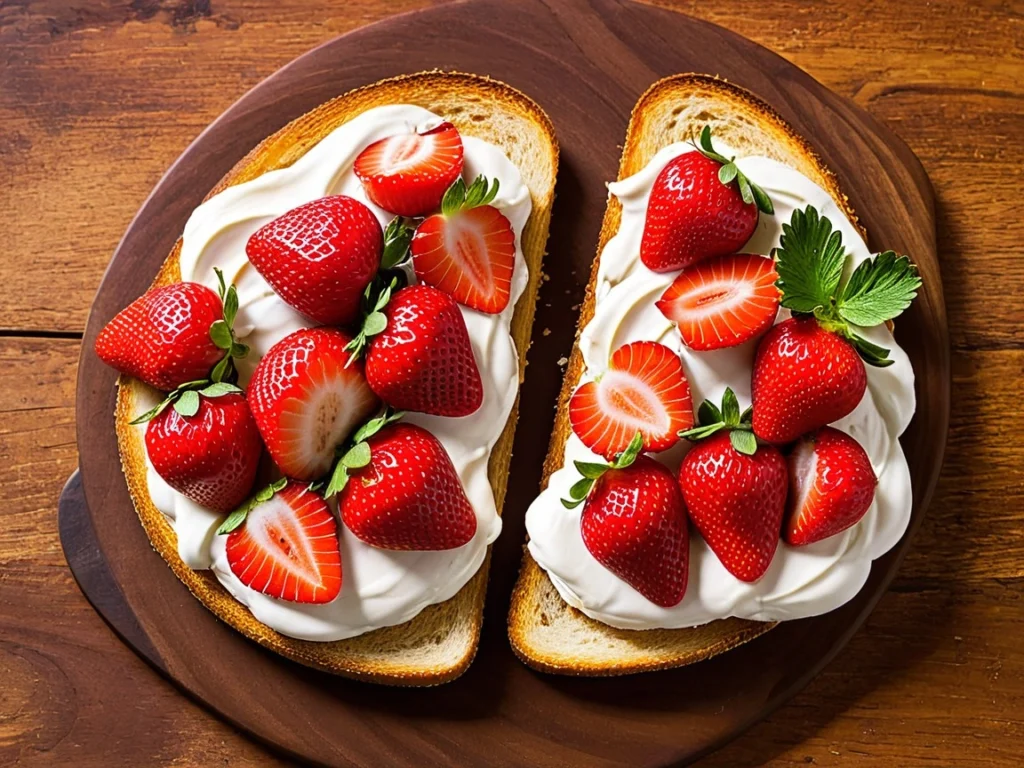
(545, 632)
(438, 644)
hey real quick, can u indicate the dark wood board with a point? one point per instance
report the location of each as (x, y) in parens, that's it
(586, 63)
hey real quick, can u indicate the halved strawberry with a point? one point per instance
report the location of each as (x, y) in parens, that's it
(287, 547)
(645, 390)
(723, 301)
(408, 174)
(831, 486)
(469, 249)
(306, 398)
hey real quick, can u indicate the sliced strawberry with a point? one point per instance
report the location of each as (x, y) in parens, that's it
(723, 301)
(645, 390)
(408, 174)
(409, 496)
(211, 456)
(306, 398)
(288, 547)
(634, 524)
(470, 255)
(831, 486)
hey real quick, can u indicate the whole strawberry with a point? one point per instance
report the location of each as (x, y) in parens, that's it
(735, 489)
(164, 337)
(307, 394)
(206, 445)
(809, 370)
(701, 205)
(320, 257)
(423, 360)
(399, 490)
(634, 523)
(831, 486)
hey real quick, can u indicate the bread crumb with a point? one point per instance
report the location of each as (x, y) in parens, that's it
(562, 361)
(546, 332)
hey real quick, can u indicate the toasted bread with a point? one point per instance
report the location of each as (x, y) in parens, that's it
(545, 632)
(438, 644)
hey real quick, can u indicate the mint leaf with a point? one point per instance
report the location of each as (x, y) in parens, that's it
(879, 289)
(810, 261)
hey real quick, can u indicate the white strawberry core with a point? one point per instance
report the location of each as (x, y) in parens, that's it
(402, 152)
(467, 246)
(275, 532)
(801, 480)
(632, 402)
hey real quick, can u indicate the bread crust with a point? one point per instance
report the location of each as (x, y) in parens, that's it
(545, 632)
(438, 644)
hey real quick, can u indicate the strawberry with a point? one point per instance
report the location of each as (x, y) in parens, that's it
(284, 543)
(469, 249)
(808, 371)
(423, 360)
(735, 489)
(701, 205)
(320, 257)
(643, 389)
(165, 337)
(405, 493)
(408, 174)
(207, 446)
(634, 522)
(831, 486)
(722, 301)
(307, 395)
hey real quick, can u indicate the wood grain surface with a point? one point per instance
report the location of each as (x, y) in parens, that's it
(97, 98)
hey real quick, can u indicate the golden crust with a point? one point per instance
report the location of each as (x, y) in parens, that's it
(438, 644)
(545, 632)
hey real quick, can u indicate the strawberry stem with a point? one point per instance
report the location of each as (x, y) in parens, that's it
(236, 518)
(712, 419)
(459, 197)
(222, 333)
(592, 470)
(751, 193)
(185, 398)
(376, 296)
(355, 453)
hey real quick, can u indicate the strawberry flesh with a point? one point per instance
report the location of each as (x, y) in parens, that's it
(736, 501)
(408, 174)
(288, 548)
(163, 337)
(306, 398)
(320, 257)
(722, 301)
(804, 378)
(645, 390)
(423, 360)
(409, 497)
(831, 486)
(692, 215)
(634, 524)
(469, 255)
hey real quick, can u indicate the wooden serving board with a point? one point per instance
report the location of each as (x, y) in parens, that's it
(586, 63)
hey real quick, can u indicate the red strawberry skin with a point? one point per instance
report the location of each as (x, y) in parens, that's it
(645, 390)
(408, 174)
(634, 524)
(211, 457)
(804, 377)
(306, 398)
(163, 337)
(409, 496)
(423, 361)
(320, 257)
(692, 215)
(722, 301)
(831, 486)
(288, 548)
(736, 501)
(470, 255)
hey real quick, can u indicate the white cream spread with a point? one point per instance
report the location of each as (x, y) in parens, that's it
(379, 588)
(802, 581)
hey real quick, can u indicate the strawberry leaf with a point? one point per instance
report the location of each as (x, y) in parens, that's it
(708, 413)
(590, 469)
(188, 403)
(879, 289)
(230, 306)
(810, 261)
(152, 413)
(730, 172)
(221, 335)
(339, 479)
(459, 197)
(872, 354)
(397, 238)
(218, 389)
(376, 424)
(223, 370)
(743, 441)
(581, 488)
(375, 323)
(571, 504)
(727, 172)
(730, 408)
(236, 518)
(628, 456)
(357, 456)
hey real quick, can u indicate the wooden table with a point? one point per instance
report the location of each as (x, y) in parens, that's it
(98, 97)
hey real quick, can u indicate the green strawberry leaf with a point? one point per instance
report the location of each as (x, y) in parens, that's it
(581, 488)
(879, 289)
(375, 323)
(397, 237)
(230, 306)
(188, 403)
(459, 197)
(357, 456)
(727, 172)
(339, 480)
(221, 335)
(872, 354)
(223, 370)
(708, 413)
(590, 469)
(376, 424)
(152, 413)
(743, 441)
(571, 504)
(628, 456)
(237, 517)
(218, 389)
(810, 260)
(730, 408)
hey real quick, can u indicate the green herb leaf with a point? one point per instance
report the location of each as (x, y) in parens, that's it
(879, 289)
(218, 389)
(730, 408)
(743, 441)
(357, 456)
(810, 261)
(590, 469)
(188, 403)
(727, 172)
(221, 334)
